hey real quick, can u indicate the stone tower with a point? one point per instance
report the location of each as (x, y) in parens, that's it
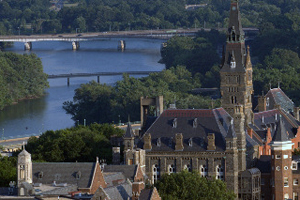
(281, 151)
(236, 68)
(24, 169)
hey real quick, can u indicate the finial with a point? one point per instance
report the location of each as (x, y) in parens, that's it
(97, 159)
(278, 84)
(128, 119)
(270, 85)
(23, 145)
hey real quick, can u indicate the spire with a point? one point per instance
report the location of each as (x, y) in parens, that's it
(235, 26)
(280, 134)
(235, 44)
(129, 131)
(248, 58)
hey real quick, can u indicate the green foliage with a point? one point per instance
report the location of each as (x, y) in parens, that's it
(190, 185)
(8, 170)
(103, 104)
(79, 143)
(198, 54)
(21, 76)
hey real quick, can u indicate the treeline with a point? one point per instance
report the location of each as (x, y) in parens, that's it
(80, 143)
(102, 103)
(21, 77)
(39, 16)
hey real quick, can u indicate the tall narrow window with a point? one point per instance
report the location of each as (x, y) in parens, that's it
(155, 172)
(203, 170)
(219, 172)
(171, 169)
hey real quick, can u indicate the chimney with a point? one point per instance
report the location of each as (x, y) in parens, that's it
(211, 142)
(262, 104)
(147, 141)
(179, 142)
(296, 113)
(137, 187)
(250, 133)
(116, 155)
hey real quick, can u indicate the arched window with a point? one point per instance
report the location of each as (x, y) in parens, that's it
(187, 167)
(171, 169)
(219, 172)
(203, 170)
(155, 172)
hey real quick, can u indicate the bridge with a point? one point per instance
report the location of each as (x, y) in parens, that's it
(98, 74)
(76, 38)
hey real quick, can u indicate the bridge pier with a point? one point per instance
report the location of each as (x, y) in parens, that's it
(98, 79)
(68, 81)
(75, 45)
(27, 46)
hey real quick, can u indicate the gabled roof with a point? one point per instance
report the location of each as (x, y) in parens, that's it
(276, 96)
(193, 124)
(111, 177)
(64, 173)
(119, 192)
(128, 171)
(269, 119)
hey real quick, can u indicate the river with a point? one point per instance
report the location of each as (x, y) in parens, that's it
(32, 117)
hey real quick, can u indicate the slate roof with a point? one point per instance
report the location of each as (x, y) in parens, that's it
(277, 96)
(264, 164)
(194, 124)
(109, 177)
(128, 171)
(64, 173)
(280, 134)
(250, 142)
(120, 192)
(129, 132)
(146, 194)
(269, 119)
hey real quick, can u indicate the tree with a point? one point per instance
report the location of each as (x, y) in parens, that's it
(80, 143)
(8, 170)
(190, 185)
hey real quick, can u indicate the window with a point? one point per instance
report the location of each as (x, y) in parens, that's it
(278, 156)
(286, 196)
(171, 169)
(294, 165)
(187, 167)
(219, 172)
(295, 181)
(191, 142)
(285, 156)
(203, 170)
(262, 181)
(295, 195)
(155, 172)
(286, 182)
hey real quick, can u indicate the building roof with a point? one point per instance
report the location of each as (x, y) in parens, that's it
(269, 119)
(280, 132)
(78, 173)
(275, 97)
(264, 164)
(129, 132)
(128, 171)
(194, 125)
(119, 192)
(111, 177)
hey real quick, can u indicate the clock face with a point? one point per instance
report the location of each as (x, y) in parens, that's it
(233, 8)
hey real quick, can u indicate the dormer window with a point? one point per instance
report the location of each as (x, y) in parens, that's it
(175, 123)
(40, 175)
(276, 117)
(232, 64)
(195, 123)
(268, 101)
(191, 142)
(78, 175)
(158, 143)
